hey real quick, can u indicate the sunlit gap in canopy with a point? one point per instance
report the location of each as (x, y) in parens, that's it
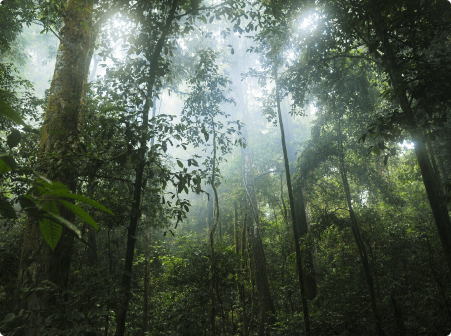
(117, 28)
(309, 22)
(406, 146)
(304, 25)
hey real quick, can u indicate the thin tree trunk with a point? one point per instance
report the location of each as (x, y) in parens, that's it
(210, 209)
(357, 236)
(301, 214)
(214, 290)
(236, 237)
(146, 286)
(135, 212)
(431, 183)
(92, 239)
(399, 319)
(434, 161)
(244, 245)
(110, 271)
(267, 309)
(285, 211)
(296, 231)
(38, 262)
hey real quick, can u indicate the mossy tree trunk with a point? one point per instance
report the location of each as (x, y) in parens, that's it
(60, 131)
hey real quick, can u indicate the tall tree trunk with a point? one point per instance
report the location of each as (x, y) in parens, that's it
(294, 214)
(38, 262)
(257, 264)
(267, 309)
(146, 285)
(399, 319)
(301, 215)
(244, 245)
(357, 236)
(431, 183)
(210, 209)
(135, 212)
(236, 237)
(214, 283)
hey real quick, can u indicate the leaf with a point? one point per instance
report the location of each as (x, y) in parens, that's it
(13, 139)
(180, 163)
(54, 188)
(181, 186)
(7, 163)
(63, 222)
(80, 212)
(85, 200)
(29, 129)
(27, 204)
(8, 318)
(232, 51)
(8, 112)
(51, 230)
(205, 133)
(6, 209)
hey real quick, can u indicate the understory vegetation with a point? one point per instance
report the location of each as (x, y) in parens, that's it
(181, 167)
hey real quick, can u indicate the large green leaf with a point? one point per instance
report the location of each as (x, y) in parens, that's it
(51, 230)
(52, 188)
(84, 200)
(80, 213)
(65, 223)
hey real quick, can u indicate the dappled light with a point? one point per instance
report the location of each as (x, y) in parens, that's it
(225, 168)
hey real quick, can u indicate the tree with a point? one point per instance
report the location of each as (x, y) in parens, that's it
(408, 58)
(203, 110)
(60, 131)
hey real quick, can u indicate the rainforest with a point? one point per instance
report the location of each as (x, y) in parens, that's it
(216, 168)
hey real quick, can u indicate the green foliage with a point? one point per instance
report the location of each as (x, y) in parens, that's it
(13, 14)
(182, 298)
(203, 111)
(336, 65)
(42, 204)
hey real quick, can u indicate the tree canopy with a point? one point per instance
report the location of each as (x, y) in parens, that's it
(202, 167)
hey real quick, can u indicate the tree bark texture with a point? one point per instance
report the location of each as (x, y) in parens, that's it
(38, 262)
(135, 212)
(296, 230)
